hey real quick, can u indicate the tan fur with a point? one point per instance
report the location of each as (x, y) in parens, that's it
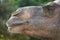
(26, 15)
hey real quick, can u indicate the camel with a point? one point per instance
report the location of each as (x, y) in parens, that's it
(37, 21)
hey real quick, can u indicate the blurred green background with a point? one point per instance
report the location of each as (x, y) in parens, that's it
(6, 8)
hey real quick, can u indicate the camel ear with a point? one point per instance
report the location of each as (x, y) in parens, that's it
(46, 11)
(49, 10)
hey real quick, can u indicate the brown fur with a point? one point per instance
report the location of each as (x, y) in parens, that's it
(51, 9)
(36, 21)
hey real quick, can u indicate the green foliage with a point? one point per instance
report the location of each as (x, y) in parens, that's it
(6, 8)
(22, 3)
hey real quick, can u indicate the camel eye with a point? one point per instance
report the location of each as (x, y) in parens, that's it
(15, 14)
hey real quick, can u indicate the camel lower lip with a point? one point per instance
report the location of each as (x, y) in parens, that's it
(14, 29)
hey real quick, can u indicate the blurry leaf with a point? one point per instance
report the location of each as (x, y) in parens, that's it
(1, 36)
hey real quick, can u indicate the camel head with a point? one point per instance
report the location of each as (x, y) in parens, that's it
(36, 21)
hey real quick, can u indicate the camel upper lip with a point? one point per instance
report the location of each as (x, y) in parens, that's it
(15, 24)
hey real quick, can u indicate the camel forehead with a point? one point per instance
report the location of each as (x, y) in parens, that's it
(27, 12)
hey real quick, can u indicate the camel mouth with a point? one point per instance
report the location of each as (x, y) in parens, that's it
(13, 25)
(17, 28)
(26, 29)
